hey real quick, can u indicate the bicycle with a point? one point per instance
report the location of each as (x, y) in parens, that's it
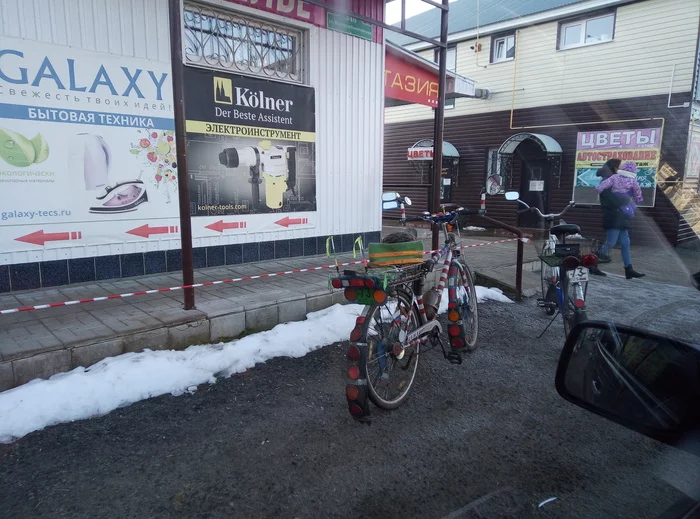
(565, 295)
(398, 318)
(393, 200)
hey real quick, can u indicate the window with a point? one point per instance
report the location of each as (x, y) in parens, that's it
(451, 66)
(495, 183)
(503, 48)
(588, 31)
(227, 41)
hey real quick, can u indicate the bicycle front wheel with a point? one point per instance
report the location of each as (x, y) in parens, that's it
(463, 311)
(389, 376)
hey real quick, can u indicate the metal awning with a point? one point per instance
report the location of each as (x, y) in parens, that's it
(547, 143)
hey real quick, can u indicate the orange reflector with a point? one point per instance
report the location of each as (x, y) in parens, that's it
(352, 392)
(453, 316)
(354, 372)
(380, 296)
(454, 330)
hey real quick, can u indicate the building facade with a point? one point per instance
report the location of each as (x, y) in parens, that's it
(571, 83)
(284, 107)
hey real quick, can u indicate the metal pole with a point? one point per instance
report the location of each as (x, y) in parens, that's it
(181, 146)
(439, 121)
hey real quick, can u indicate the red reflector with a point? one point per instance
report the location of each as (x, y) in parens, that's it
(451, 305)
(357, 282)
(356, 334)
(350, 294)
(454, 331)
(456, 342)
(397, 349)
(352, 392)
(354, 372)
(356, 410)
(336, 283)
(360, 320)
(354, 353)
(580, 303)
(590, 261)
(570, 263)
(369, 283)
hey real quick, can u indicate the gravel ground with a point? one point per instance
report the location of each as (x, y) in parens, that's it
(489, 438)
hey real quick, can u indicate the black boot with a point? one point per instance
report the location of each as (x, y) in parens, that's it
(630, 273)
(597, 272)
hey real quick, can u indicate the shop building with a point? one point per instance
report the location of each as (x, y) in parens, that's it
(284, 119)
(568, 85)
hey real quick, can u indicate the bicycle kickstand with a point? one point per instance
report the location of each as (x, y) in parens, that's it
(550, 324)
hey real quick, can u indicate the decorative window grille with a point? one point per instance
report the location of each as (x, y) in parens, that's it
(242, 44)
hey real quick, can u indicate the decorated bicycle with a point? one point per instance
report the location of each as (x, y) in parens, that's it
(399, 322)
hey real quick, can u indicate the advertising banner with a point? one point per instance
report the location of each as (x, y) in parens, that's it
(594, 148)
(87, 148)
(251, 152)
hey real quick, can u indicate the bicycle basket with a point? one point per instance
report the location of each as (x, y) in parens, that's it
(561, 252)
(567, 249)
(388, 254)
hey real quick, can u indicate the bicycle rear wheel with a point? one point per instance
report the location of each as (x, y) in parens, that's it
(463, 308)
(390, 377)
(548, 277)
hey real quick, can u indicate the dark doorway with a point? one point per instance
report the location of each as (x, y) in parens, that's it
(449, 179)
(534, 189)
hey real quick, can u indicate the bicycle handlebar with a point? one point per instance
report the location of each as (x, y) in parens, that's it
(550, 216)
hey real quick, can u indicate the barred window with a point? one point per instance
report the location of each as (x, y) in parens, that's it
(238, 44)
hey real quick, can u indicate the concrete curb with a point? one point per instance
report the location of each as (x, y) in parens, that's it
(210, 323)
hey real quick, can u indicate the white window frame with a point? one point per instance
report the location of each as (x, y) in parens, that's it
(449, 103)
(582, 22)
(504, 39)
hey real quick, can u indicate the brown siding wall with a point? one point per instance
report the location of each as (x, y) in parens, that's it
(474, 135)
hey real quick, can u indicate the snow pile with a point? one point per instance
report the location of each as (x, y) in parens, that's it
(484, 294)
(473, 228)
(119, 381)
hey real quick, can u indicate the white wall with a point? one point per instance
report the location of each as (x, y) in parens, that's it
(650, 37)
(347, 73)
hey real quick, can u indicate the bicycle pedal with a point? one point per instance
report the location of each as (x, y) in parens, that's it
(454, 357)
(545, 304)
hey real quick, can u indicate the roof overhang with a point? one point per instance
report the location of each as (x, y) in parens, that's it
(411, 79)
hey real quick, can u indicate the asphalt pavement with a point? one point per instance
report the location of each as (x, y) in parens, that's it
(490, 438)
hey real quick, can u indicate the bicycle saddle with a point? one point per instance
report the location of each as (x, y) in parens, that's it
(565, 229)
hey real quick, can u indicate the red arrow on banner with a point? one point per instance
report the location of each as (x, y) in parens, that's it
(145, 231)
(287, 221)
(220, 226)
(41, 237)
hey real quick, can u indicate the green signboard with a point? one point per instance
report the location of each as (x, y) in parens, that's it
(349, 25)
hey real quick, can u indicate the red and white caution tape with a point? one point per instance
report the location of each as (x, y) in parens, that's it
(211, 283)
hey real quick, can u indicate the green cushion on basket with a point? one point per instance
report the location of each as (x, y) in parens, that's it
(385, 254)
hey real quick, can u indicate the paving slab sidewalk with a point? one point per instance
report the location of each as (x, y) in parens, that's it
(38, 344)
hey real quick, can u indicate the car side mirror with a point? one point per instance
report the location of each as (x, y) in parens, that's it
(645, 382)
(512, 195)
